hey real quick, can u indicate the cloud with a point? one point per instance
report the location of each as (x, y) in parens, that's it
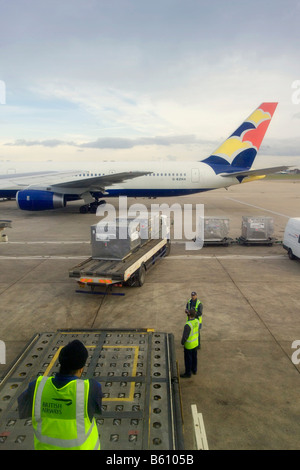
(34, 143)
(276, 147)
(114, 143)
(137, 75)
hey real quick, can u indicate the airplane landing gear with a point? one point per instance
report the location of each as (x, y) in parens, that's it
(91, 208)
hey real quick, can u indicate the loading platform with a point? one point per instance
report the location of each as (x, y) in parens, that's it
(141, 408)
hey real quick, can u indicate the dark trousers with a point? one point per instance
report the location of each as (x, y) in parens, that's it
(190, 360)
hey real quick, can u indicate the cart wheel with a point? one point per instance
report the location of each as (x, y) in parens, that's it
(141, 276)
(168, 248)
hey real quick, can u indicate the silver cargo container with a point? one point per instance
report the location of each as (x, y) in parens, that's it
(216, 228)
(115, 239)
(257, 228)
(150, 228)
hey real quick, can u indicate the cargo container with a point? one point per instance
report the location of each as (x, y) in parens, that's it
(257, 230)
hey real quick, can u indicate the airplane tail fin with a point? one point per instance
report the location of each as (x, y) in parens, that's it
(237, 153)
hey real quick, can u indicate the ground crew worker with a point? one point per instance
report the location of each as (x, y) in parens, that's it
(63, 407)
(190, 341)
(196, 304)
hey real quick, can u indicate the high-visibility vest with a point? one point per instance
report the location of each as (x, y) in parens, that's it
(198, 302)
(60, 416)
(193, 339)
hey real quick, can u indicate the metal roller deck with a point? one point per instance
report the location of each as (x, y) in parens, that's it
(139, 377)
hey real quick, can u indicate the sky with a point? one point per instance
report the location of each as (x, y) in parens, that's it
(93, 80)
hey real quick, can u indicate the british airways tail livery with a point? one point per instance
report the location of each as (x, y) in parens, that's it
(231, 163)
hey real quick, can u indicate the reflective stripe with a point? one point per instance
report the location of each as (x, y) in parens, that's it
(80, 422)
(97, 445)
(193, 339)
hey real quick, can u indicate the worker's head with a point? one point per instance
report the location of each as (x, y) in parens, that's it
(72, 358)
(194, 295)
(192, 313)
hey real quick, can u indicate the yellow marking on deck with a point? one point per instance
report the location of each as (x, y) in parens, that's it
(134, 367)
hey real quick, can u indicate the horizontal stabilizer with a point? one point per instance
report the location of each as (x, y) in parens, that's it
(261, 171)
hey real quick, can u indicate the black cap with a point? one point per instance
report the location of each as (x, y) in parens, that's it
(194, 293)
(73, 356)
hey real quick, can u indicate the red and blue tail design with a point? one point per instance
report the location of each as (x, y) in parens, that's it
(238, 152)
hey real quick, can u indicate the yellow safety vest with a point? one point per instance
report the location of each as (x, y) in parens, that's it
(198, 302)
(193, 339)
(60, 416)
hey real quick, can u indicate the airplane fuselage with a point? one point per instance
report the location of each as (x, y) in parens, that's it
(164, 180)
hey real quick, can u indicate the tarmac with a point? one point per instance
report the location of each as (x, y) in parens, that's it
(247, 385)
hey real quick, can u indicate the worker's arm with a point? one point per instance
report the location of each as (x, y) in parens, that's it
(95, 398)
(25, 402)
(185, 334)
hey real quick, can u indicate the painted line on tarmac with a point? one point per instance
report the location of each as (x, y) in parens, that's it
(257, 207)
(47, 243)
(226, 257)
(43, 257)
(191, 257)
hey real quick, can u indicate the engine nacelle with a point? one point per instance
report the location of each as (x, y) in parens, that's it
(36, 200)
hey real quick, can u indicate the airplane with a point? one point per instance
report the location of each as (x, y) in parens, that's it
(230, 164)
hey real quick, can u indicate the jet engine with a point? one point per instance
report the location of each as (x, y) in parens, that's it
(36, 200)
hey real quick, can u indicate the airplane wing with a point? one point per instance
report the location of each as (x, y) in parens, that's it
(100, 182)
(38, 177)
(71, 179)
(259, 172)
(48, 191)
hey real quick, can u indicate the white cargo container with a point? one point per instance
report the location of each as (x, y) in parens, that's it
(291, 239)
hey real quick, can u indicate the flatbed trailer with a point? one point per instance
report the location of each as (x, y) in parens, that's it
(260, 241)
(130, 271)
(138, 372)
(226, 241)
